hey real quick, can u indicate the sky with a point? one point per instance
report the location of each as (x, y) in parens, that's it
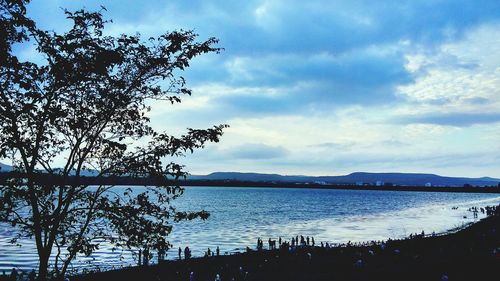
(328, 87)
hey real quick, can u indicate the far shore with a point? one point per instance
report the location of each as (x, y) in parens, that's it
(461, 189)
(133, 181)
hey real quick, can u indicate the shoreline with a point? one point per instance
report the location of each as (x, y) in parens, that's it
(128, 181)
(471, 253)
(405, 188)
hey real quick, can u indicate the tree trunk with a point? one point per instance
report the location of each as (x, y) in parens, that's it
(44, 266)
(139, 261)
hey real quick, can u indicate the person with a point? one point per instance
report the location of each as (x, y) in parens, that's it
(308, 240)
(191, 275)
(217, 277)
(13, 274)
(293, 242)
(161, 255)
(312, 241)
(259, 244)
(279, 241)
(209, 253)
(180, 253)
(187, 253)
(32, 275)
(217, 250)
(146, 257)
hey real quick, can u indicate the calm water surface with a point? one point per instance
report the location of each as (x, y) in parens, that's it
(240, 215)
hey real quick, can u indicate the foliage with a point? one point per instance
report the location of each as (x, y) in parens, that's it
(88, 104)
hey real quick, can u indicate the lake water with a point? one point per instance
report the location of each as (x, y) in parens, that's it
(240, 215)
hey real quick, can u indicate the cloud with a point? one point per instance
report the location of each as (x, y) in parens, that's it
(328, 87)
(334, 145)
(363, 68)
(256, 151)
(347, 52)
(456, 85)
(453, 119)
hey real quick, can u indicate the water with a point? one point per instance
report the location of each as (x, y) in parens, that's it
(240, 215)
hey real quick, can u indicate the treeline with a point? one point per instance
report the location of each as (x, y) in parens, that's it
(43, 179)
(51, 179)
(234, 183)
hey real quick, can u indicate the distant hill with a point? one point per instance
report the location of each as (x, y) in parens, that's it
(413, 179)
(85, 173)
(250, 177)
(353, 178)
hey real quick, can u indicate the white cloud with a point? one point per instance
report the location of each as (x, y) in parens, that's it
(457, 74)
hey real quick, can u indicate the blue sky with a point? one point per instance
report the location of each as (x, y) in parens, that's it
(329, 87)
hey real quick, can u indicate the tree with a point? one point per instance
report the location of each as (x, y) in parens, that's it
(87, 104)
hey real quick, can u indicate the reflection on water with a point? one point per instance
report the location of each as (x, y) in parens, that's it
(240, 215)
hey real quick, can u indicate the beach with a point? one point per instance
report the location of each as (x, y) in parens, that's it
(472, 253)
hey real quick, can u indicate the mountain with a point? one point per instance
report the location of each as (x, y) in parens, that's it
(412, 179)
(250, 177)
(85, 173)
(353, 178)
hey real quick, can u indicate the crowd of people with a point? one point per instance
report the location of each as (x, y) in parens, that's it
(488, 210)
(309, 242)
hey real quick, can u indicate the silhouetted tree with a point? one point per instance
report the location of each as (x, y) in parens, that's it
(86, 106)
